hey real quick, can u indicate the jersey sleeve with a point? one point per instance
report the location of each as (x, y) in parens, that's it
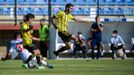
(92, 26)
(24, 27)
(120, 38)
(111, 40)
(71, 17)
(59, 14)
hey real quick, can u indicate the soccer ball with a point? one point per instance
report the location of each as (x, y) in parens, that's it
(32, 63)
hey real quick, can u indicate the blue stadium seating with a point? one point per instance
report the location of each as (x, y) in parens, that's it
(6, 11)
(110, 2)
(118, 11)
(86, 11)
(1, 11)
(20, 11)
(78, 11)
(102, 2)
(10, 2)
(130, 2)
(127, 11)
(45, 11)
(31, 2)
(91, 2)
(120, 2)
(28, 10)
(53, 1)
(20, 2)
(108, 11)
(38, 11)
(101, 11)
(41, 2)
(56, 9)
(2, 2)
(133, 10)
(69, 1)
(59, 2)
(79, 2)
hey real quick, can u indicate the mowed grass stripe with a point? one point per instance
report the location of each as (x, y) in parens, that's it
(72, 67)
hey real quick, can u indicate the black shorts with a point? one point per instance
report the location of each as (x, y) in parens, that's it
(116, 48)
(30, 48)
(43, 45)
(65, 36)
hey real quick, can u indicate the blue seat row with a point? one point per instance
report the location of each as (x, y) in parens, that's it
(76, 11)
(116, 11)
(42, 11)
(87, 2)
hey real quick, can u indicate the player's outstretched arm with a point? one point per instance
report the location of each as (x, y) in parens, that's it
(53, 22)
(80, 20)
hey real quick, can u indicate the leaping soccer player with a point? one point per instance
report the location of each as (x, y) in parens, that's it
(63, 18)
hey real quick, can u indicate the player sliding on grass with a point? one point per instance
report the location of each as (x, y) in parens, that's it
(24, 54)
(63, 18)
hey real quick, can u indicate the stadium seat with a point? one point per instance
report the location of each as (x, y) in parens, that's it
(130, 2)
(6, 11)
(45, 11)
(10, 2)
(91, 2)
(108, 11)
(78, 11)
(127, 11)
(133, 10)
(28, 10)
(56, 9)
(86, 11)
(31, 2)
(59, 2)
(38, 11)
(1, 11)
(20, 2)
(101, 11)
(2, 2)
(69, 1)
(79, 2)
(41, 2)
(102, 2)
(20, 11)
(118, 11)
(111, 2)
(120, 2)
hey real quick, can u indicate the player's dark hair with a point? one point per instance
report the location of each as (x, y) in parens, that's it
(16, 34)
(29, 16)
(79, 32)
(69, 5)
(115, 31)
(42, 20)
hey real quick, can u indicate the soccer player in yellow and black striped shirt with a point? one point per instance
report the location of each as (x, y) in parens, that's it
(26, 31)
(63, 18)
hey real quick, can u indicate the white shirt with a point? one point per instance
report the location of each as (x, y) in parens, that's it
(132, 40)
(117, 40)
(81, 36)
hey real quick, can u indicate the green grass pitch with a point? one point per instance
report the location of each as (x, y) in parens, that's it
(72, 67)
